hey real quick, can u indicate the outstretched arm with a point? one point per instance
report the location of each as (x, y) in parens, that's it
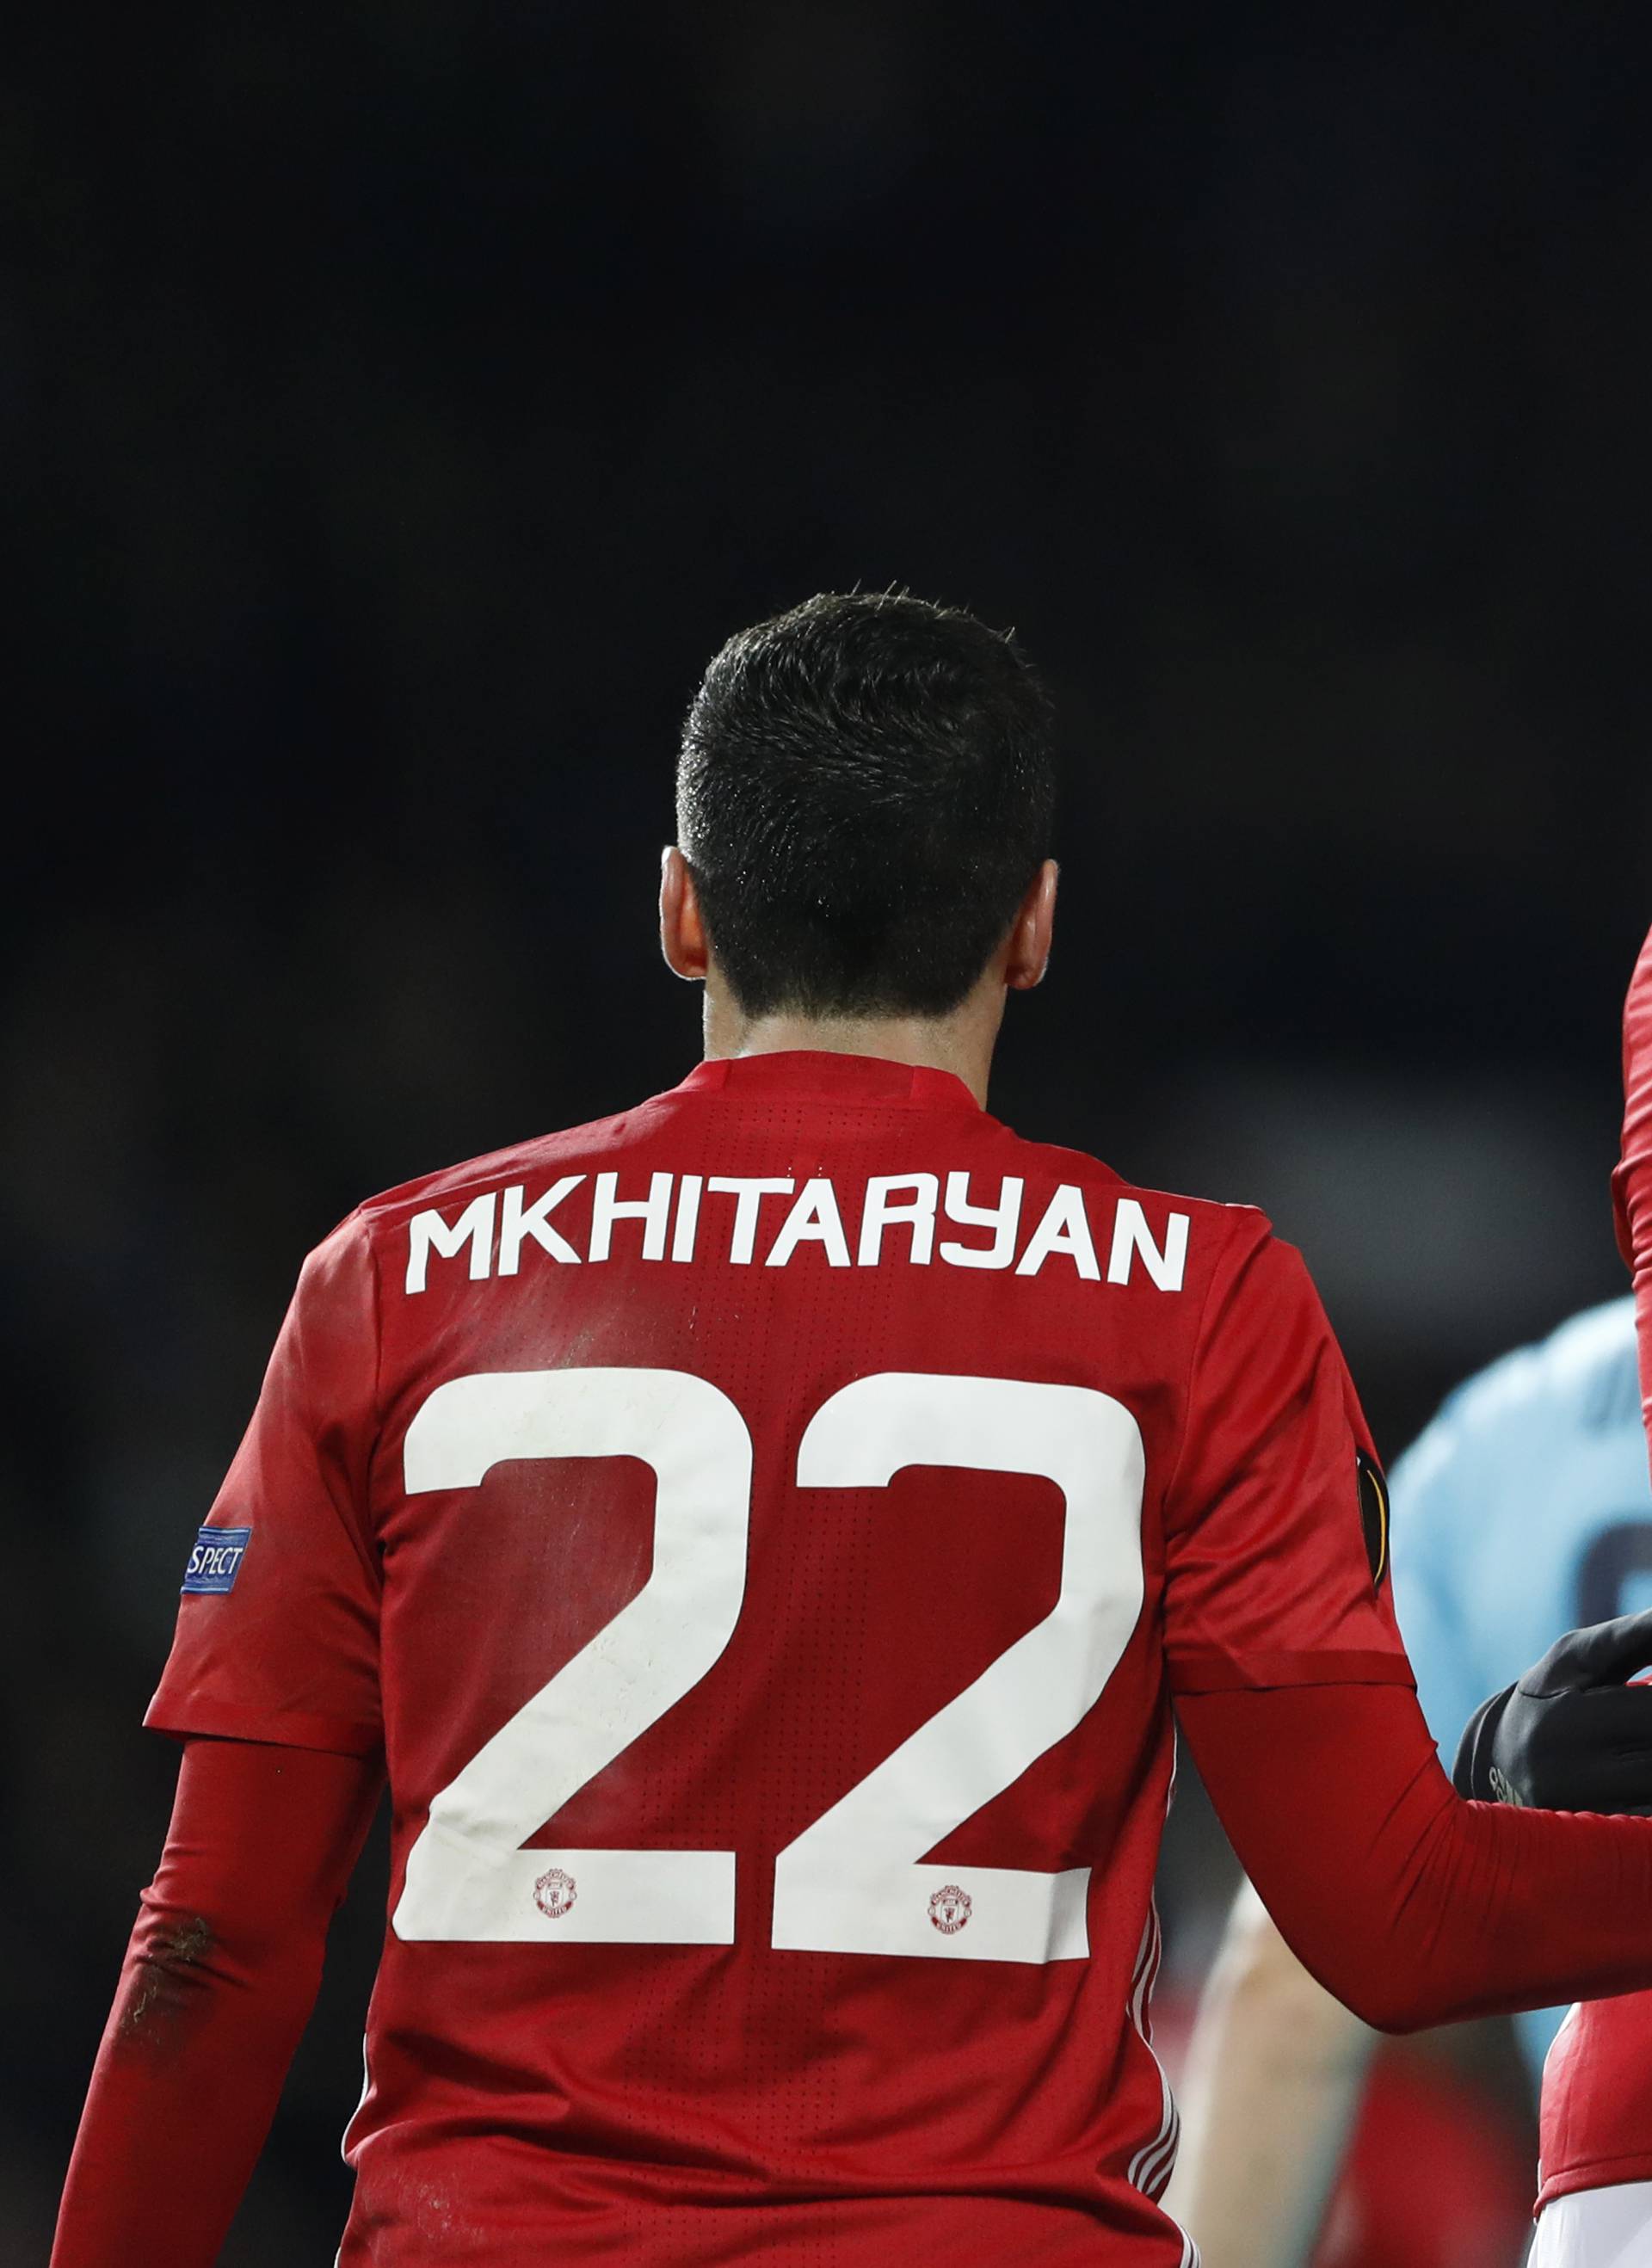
(1632, 1185)
(1411, 1906)
(219, 1979)
(1272, 2087)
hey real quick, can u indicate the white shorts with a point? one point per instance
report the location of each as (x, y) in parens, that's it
(1596, 2229)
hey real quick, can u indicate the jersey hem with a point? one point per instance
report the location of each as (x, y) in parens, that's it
(280, 1728)
(1595, 2174)
(1222, 1673)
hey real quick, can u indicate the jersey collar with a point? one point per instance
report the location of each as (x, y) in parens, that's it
(848, 1079)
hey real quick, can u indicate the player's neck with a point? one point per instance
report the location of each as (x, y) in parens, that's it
(961, 1042)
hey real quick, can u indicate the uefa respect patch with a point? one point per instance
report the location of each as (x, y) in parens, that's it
(217, 1558)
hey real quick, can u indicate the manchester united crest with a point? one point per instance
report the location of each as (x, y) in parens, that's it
(950, 1908)
(554, 1893)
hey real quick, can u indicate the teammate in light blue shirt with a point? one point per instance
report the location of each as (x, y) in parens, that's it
(1523, 1510)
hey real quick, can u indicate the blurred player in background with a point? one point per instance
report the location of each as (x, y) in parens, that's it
(1522, 1508)
(761, 1534)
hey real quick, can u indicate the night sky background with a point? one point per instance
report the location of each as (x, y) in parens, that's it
(398, 405)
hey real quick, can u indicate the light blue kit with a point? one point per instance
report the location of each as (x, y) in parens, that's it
(1523, 1510)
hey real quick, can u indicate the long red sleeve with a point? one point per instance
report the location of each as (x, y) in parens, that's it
(220, 1976)
(1597, 2112)
(1412, 1906)
(1631, 1185)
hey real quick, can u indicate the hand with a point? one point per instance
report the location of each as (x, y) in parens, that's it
(1571, 1735)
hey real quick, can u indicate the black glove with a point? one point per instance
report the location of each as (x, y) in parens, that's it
(1570, 1736)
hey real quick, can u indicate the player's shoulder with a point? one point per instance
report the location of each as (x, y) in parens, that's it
(1053, 1161)
(1069, 1192)
(1215, 1235)
(451, 1185)
(455, 1186)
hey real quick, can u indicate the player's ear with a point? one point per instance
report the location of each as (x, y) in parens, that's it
(1030, 934)
(681, 930)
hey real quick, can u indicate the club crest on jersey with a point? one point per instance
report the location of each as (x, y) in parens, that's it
(217, 1558)
(554, 1893)
(950, 1908)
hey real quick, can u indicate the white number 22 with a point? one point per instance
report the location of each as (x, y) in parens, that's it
(854, 1880)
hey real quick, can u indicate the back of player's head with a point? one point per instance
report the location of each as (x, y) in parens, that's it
(865, 791)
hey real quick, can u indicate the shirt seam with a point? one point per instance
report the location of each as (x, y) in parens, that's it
(364, 1510)
(357, 1526)
(376, 1396)
(969, 1110)
(1191, 1674)
(1574, 2167)
(1187, 1396)
(169, 1710)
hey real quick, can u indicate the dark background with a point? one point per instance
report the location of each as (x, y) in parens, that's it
(399, 403)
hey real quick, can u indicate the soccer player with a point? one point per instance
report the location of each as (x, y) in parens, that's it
(1595, 2119)
(761, 1536)
(1522, 1507)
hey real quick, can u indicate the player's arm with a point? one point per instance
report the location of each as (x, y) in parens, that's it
(273, 1685)
(1276, 2064)
(218, 1982)
(1274, 2075)
(1409, 1904)
(1632, 1185)
(1413, 1906)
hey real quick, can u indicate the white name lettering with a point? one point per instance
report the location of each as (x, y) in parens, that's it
(890, 1221)
(1065, 1227)
(516, 1226)
(813, 1219)
(429, 1233)
(1003, 1218)
(881, 1211)
(688, 1218)
(1132, 1236)
(748, 1197)
(607, 1208)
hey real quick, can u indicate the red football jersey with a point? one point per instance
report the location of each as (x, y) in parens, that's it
(765, 1531)
(1596, 2115)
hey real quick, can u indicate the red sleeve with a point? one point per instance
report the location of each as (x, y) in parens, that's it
(284, 1646)
(1276, 1517)
(219, 1979)
(1596, 2118)
(1410, 1905)
(1631, 1185)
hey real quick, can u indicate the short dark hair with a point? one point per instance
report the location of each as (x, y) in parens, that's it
(866, 791)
